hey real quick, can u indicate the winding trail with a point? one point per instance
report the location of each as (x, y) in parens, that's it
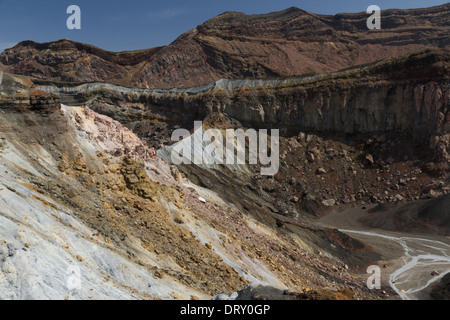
(421, 258)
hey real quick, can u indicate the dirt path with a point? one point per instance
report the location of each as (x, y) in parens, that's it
(412, 263)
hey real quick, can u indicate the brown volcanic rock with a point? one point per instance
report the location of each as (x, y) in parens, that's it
(18, 92)
(234, 45)
(441, 291)
(66, 60)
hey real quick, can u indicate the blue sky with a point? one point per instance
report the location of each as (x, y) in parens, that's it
(137, 24)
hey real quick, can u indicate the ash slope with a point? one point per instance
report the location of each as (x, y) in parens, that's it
(234, 45)
(425, 217)
(82, 198)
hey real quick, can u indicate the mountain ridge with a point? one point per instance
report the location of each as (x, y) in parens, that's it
(234, 45)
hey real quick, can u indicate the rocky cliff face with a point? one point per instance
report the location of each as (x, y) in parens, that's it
(407, 95)
(19, 92)
(234, 45)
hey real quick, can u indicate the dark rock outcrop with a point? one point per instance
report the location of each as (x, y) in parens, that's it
(442, 290)
(269, 293)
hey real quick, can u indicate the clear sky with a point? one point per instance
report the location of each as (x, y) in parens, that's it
(138, 24)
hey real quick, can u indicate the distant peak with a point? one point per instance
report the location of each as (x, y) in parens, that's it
(231, 13)
(293, 10)
(235, 16)
(34, 44)
(26, 43)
